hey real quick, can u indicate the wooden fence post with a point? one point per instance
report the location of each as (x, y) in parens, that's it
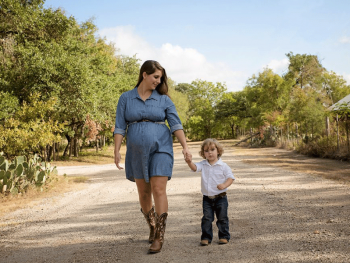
(327, 126)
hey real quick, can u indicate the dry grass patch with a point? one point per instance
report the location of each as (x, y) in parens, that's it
(62, 185)
(90, 156)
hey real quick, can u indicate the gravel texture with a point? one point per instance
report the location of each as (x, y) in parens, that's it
(276, 215)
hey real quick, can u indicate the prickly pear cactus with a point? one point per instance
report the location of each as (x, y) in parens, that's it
(16, 176)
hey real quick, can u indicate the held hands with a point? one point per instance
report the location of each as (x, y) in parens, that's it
(188, 160)
(117, 158)
(188, 157)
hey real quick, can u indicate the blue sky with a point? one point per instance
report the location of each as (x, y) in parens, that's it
(224, 40)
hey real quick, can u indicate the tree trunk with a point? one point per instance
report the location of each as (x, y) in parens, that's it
(67, 149)
(251, 138)
(54, 151)
(306, 133)
(71, 148)
(232, 130)
(45, 154)
(49, 152)
(281, 133)
(57, 150)
(65, 152)
(76, 147)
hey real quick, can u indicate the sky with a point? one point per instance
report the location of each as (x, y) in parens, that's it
(223, 41)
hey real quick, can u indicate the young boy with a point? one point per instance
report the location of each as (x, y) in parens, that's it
(216, 177)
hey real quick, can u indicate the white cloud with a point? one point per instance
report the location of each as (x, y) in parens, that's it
(127, 42)
(279, 66)
(181, 64)
(344, 40)
(347, 78)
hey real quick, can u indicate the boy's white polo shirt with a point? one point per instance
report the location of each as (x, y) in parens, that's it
(212, 175)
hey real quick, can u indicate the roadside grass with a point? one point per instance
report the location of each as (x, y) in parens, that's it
(61, 184)
(58, 186)
(89, 156)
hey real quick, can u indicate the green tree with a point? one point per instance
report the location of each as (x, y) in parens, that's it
(308, 95)
(8, 106)
(335, 86)
(266, 94)
(305, 70)
(232, 110)
(307, 110)
(44, 52)
(180, 100)
(203, 97)
(30, 129)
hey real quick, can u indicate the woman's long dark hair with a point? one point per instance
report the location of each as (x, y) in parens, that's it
(150, 66)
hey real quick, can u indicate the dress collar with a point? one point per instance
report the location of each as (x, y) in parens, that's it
(155, 95)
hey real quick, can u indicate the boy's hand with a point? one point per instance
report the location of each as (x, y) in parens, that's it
(221, 186)
(228, 182)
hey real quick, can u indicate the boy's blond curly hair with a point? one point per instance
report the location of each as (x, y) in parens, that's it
(206, 143)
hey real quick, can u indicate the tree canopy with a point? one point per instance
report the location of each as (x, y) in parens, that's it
(58, 80)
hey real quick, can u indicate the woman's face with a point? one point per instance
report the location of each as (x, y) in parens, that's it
(152, 80)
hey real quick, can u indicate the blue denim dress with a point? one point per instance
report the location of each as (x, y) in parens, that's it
(149, 145)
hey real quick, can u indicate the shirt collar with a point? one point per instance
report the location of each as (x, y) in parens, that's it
(219, 162)
(155, 95)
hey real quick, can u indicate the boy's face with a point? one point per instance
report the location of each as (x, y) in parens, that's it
(211, 153)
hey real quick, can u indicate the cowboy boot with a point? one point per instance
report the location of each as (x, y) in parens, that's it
(151, 221)
(159, 237)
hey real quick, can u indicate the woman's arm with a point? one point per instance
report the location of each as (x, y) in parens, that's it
(180, 135)
(118, 138)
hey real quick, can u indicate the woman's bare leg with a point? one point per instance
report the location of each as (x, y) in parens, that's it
(158, 185)
(145, 194)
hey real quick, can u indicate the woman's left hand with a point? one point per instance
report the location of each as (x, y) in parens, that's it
(186, 153)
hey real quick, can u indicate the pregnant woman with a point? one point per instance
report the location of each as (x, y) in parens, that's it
(141, 115)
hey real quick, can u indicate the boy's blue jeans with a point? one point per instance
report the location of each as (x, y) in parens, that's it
(218, 206)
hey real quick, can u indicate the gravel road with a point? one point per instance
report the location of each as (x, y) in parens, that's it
(276, 215)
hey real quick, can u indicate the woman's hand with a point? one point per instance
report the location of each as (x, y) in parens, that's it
(188, 158)
(117, 158)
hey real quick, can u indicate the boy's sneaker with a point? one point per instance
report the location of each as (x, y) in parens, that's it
(223, 241)
(204, 242)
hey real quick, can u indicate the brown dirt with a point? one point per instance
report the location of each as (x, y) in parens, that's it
(283, 208)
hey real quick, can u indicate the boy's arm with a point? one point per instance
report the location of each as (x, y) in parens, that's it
(228, 182)
(192, 166)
